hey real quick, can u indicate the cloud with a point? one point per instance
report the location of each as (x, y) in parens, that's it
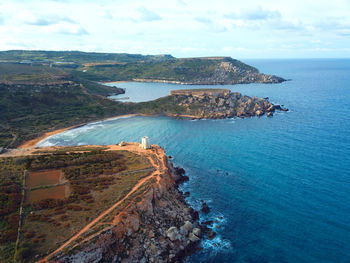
(211, 25)
(203, 20)
(344, 32)
(257, 13)
(181, 2)
(67, 29)
(49, 21)
(147, 15)
(29, 18)
(78, 31)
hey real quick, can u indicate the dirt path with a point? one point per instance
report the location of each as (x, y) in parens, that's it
(133, 147)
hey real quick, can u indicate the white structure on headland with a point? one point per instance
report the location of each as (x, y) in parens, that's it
(122, 143)
(145, 144)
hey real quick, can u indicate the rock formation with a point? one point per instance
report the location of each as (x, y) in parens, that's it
(221, 103)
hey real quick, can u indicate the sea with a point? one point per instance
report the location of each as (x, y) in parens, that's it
(278, 188)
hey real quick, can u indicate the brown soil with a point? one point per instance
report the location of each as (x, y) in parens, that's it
(42, 178)
(56, 192)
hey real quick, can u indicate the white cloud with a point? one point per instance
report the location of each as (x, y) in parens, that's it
(181, 27)
(255, 13)
(67, 29)
(147, 15)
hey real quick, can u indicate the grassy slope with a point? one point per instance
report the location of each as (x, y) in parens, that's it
(37, 101)
(76, 56)
(113, 66)
(185, 70)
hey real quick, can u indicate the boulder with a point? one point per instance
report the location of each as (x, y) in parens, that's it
(193, 238)
(259, 113)
(188, 225)
(271, 108)
(196, 231)
(205, 208)
(221, 102)
(211, 234)
(172, 233)
(269, 114)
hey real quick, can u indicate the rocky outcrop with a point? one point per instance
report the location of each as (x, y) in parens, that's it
(161, 227)
(223, 105)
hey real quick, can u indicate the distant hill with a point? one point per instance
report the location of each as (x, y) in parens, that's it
(149, 68)
(78, 57)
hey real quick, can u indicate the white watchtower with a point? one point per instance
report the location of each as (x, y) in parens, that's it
(145, 144)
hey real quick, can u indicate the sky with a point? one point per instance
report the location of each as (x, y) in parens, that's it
(183, 28)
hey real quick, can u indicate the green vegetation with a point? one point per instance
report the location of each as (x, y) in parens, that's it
(11, 177)
(76, 57)
(183, 70)
(55, 100)
(114, 67)
(96, 179)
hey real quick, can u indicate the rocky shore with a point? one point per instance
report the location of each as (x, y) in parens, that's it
(161, 227)
(222, 103)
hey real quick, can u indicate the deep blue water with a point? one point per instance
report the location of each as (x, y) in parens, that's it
(286, 197)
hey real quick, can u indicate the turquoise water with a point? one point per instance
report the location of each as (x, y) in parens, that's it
(281, 184)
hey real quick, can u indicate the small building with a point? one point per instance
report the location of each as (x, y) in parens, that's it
(122, 143)
(145, 144)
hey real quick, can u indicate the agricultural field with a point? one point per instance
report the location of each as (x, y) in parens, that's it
(64, 191)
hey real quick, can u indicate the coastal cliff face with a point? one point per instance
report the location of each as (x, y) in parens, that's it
(227, 73)
(221, 103)
(160, 227)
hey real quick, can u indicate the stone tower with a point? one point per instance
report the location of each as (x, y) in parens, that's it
(145, 144)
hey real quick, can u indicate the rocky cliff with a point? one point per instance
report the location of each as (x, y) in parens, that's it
(221, 103)
(159, 227)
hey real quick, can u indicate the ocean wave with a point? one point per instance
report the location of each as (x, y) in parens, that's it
(216, 244)
(46, 143)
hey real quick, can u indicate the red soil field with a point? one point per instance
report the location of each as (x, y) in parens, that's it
(41, 178)
(57, 192)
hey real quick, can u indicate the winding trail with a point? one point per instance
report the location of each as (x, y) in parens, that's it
(133, 147)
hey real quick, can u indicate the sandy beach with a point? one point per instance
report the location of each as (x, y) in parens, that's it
(33, 142)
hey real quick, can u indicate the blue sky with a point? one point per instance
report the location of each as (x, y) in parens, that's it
(183, 28)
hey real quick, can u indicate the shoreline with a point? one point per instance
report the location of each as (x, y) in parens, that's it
(33, 142)
(117, 81)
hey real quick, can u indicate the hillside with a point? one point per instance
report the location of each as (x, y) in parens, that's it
(76, 204)
(135, 67)
(37, 98)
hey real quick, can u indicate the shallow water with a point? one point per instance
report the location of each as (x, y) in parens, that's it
(281, 184)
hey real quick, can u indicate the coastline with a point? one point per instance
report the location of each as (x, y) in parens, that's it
(31, 143)
(117, 81)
